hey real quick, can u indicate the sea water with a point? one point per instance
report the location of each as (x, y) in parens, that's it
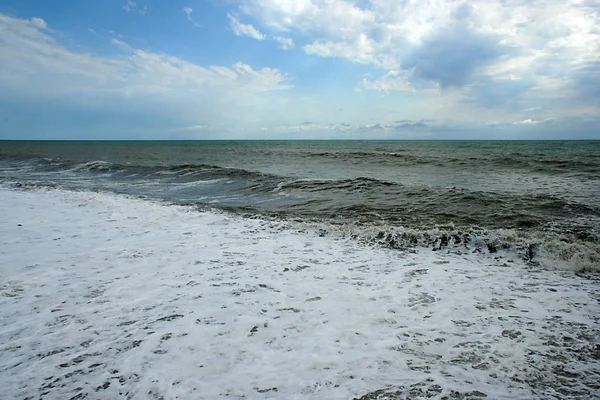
(539, 198)
(299, 270)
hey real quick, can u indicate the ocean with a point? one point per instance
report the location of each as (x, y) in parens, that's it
(300, 270)
(538, 198)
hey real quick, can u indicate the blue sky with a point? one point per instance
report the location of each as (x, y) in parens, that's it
(302, 69)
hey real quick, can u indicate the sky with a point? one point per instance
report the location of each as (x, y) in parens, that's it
(299, 69)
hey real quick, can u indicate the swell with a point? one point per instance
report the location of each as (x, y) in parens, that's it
(356, 199)
(584, 163)
(576, 248)
(101, 166)
(365, 197)
(180, 170)
(316, 185)
(372, 210)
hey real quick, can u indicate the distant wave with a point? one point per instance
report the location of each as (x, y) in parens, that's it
(167, 170)
(519, 161)
(313, 185)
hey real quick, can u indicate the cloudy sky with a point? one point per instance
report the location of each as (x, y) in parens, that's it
(280, 69)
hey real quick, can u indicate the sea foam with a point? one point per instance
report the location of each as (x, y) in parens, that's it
(106, 296)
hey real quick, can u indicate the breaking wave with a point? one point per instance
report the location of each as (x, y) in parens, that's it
(544, 226)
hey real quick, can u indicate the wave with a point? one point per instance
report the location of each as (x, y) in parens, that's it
(180, 170)
(577, 248)
(96, 166)
(315, 185)
(585, 166)
(369, 196)
(564, 250)
(363, 196)
(559, 226)
(45, 164)
(518, 161)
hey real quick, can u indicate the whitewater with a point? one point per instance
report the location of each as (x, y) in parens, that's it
(112, 296)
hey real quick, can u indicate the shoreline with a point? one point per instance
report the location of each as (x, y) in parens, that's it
(109, 296)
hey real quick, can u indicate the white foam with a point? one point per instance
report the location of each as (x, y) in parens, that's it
(118, 297)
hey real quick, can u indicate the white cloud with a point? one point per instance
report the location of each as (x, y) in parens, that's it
(244, 29)
(38, 23)
(494, 53)
(524, 122)
(361, 49)
(188, 12)
(196, 128)
(392, 81)
(533, 109)
(120, 43)
(133, 7)
(36, 67)
(409, 124)
(28, 52)
(265, 79)
(518, 62)
(285, 43)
